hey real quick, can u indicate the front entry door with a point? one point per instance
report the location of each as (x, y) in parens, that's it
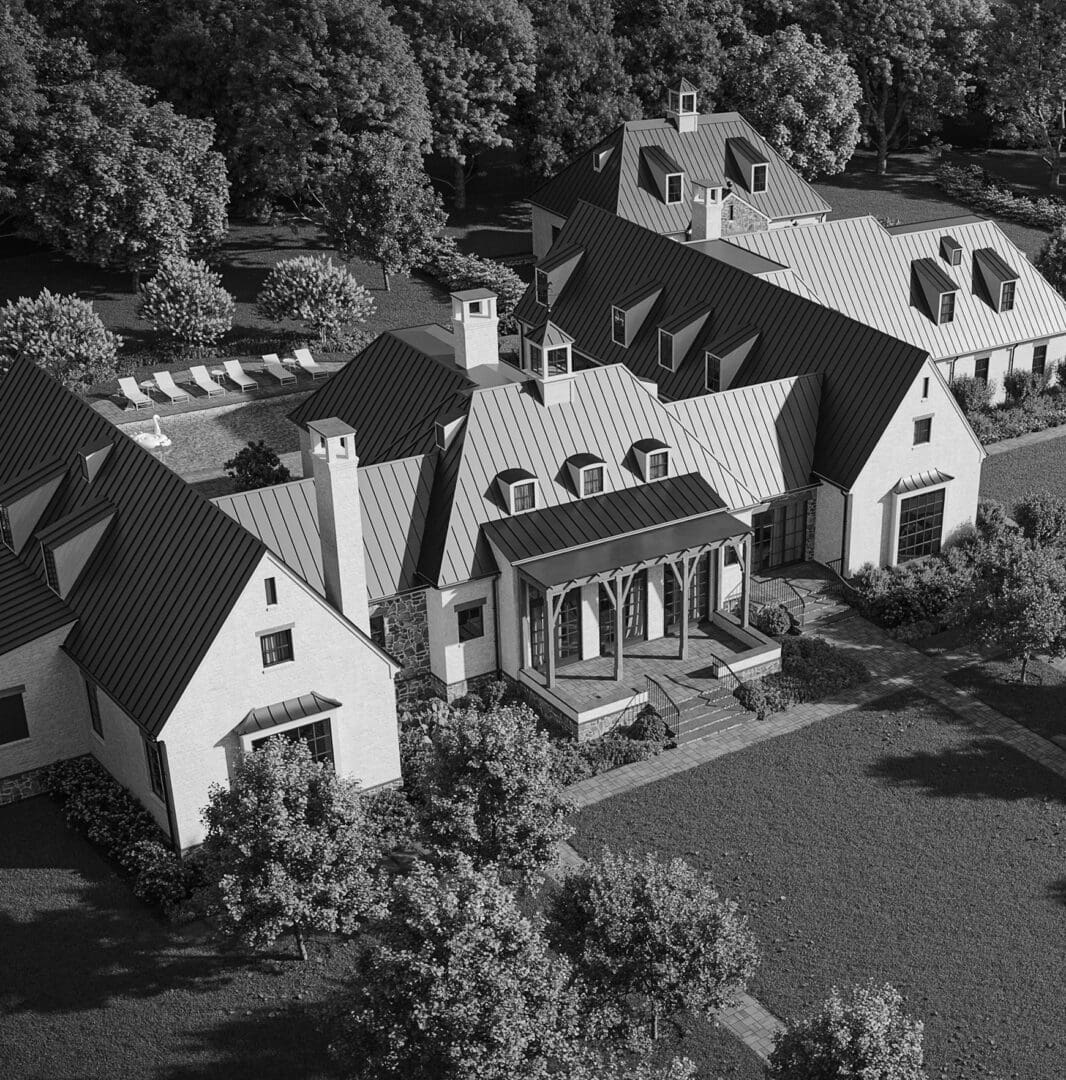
(634, 615)
(699, 597)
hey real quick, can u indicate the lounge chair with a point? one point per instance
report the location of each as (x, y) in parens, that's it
(237, 375)
(205, 382)
(307, 363)
(272, 366)
(133, 393)
(164, 381)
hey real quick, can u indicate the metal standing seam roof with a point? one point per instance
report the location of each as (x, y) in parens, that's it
(284, 712)
(930, 478)
(30, 609)
(163, 577)
(615, 513)
(865, 371)
(626, 187)
(864, 270)
(395, 497)
(508, 427)
(765, 433)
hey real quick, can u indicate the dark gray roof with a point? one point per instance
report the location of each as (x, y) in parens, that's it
(284, 712)
(625, 185)
(865, 372)
(30, 608)
(74, 523)
(165, 574)
(617, 513)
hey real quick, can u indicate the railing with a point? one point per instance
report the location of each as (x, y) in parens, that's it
(838, 584)
(768, 591)
(664, 705)
(728, 679)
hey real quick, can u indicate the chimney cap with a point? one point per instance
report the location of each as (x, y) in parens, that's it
(466, 295)
(330, 428)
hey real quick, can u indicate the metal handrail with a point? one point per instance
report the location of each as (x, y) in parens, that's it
(775, 586)
(663, 704)
(834, 566)
(731, 680)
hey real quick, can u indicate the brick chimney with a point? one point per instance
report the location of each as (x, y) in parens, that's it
(340, 518)
(475, 325)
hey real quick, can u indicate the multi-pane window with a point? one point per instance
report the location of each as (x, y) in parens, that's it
(5, 528)
(666, 350)
(13, 724)
(1039, 359)
(271, 588)
(318, 735)
(377, 630)
(558, 361)
(758, 178)
(923, 430)
(1006, 296)
(947, 307)
(592, 480)
(713, 379)
(673, 188)
(658, 465)
(524, 496)
(921, 522)
(154, 759)
(541, 286)
(471, 620)
(277, 647)
(50, 574)
(618, 326)
(94, 708)
(980, 369)
(688, 103)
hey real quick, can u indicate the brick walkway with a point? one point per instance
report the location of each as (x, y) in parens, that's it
(893, 666)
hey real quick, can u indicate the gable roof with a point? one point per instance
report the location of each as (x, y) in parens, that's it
(163, 577)
(864, 270)
(865, 372)
(625, 185)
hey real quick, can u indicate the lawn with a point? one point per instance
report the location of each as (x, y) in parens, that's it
(890, 843)
(96, 987)
(1039, 704)
(1011, 475)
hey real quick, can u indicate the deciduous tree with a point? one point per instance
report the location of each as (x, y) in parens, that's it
(286, 849)
(380, 205)
(638, 929)
(63, 334)
(184, 301)
(861, 1035)
(456, 983)
(1051, 261)
(476, 57)
(20, 97)
(800, 95)
(255, 466)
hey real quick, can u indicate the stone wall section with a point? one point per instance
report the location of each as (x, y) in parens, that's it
(407, 640)
(812, 518)
(745, 218)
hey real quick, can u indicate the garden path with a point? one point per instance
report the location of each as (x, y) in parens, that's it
(893, 666)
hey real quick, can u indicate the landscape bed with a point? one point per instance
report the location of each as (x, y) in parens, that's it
(890, 843)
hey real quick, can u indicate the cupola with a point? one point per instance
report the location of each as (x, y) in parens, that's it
(681, 107)
(548, 357)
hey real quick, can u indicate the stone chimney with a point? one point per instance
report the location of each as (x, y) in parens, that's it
(706, 210)
(340, 518)
(475, 326)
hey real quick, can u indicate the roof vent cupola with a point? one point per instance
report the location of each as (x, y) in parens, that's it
(681, 107)
(549, 359)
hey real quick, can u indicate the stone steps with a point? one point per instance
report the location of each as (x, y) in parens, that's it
(708, 714)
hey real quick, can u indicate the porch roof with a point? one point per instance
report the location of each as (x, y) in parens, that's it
(283, 712)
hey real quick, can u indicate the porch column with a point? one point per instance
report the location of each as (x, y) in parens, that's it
(745, 581)
(687, 566)
(524, 657)
(552, 606)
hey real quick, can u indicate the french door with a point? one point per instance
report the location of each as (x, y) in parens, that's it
(779, 535)
(567, 629)
(634, 614)
(699, 597)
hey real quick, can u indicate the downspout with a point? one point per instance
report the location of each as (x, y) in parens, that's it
(844, 534)
(168, 790)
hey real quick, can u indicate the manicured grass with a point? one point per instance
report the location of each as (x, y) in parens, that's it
(95, 987)
(1013, 474)
(889, 843)
(1039, 703)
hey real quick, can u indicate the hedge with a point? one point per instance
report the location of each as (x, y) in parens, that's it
(971, 185)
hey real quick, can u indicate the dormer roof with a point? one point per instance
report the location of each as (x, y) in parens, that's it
(549, 336)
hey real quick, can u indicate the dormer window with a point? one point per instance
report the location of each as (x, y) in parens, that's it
(591, 481)
(524, 496)
(653, 458)
(50, 574)
(673, 187)
(599, 159)
(6, 537)
(994, 279)
(618, 327)
(540, 279)
(586, 474)
(758, 178)
(1006, 295)
(678, 335)
(666, 350)
(951, 250)
(518, 489)
(947, 307)
(658, 464)
(712, 372)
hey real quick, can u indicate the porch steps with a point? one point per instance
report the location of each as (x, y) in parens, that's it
(707, 715)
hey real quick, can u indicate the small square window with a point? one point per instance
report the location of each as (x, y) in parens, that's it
(541, 286)
(276, 648)
(673, 188)
(618, 326)
(758, 179)
(923, 430)
(1006, 296)
(592, 480)
(947, 307)
(475, 307)
(154, 760)
(658, 465)
(1039, 359)
(271, 587)
(471, 622)
(377, 630)
(13, 726)
(94, 708)
(524, 496)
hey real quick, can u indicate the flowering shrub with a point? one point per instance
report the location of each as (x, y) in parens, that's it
(973, 186)
(772, 619)
(184, 300)
(458, 271)
(922, 589)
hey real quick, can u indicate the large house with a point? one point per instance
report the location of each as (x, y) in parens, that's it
(895, 468)
(145, 627)
(686, 176)
(957, 288)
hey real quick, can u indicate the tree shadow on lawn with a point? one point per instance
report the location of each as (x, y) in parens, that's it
(1057, 891)
(985, 768)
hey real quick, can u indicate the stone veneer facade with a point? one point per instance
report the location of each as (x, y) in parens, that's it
(22, 785)
(407, 639)
(745, 218)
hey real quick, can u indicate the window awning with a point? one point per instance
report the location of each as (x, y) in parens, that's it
(635, 550)
(930, 478)
(284, 712)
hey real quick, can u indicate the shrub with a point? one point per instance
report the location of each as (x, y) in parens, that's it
(185, 302)
(1051, 261)
(649, 726)
(973, 395)
(772, 619)
(1021, 386)
(458, 271)
(321, 294)
(919, 590)
(62, 334)
(973, 186)
(256, 466)
(992, 521)
(390, 819)
(1042, 518)
(1060, 374)
(864, 1035)
(811, 669)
